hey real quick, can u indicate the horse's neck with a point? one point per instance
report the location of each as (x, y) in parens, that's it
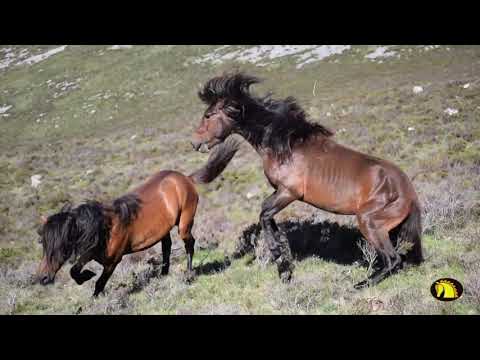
(263, 152)
(260, 148)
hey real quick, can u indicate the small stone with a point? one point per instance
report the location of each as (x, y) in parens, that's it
(450, 111)
(417, 89)
(119, 47)
(36, 180)
(5, 108)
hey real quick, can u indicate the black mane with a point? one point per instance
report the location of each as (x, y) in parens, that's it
(84, 228)
(264, 122)
(75, 231)
(228, 87)
(127, 208)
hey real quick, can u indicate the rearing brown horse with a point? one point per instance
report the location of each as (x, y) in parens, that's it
(302, 162)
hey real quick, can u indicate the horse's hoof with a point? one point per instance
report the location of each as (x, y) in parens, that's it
(84, 276)
(87, 275)
(286, 277)
(362, 285)
(227, 261)
(97, 293)
(189, 277)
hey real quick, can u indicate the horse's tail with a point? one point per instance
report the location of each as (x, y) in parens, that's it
(410, 230)
(127, 208)
(217, 161)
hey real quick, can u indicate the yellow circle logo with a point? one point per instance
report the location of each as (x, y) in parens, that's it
(446, 289)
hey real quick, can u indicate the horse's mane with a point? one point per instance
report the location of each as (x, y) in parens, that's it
(81, 229)
(127, 208)
(265, 122)
(74, 231)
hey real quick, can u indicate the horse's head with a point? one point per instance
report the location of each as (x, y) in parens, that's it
(57, 236)
(227, 98)
(216, 125)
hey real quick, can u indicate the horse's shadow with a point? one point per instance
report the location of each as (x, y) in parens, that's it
(212, 267)
(326, 240)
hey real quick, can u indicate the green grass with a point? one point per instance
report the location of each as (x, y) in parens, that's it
(132, 113)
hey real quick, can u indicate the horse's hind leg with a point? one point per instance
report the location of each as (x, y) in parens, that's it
(391, 259)
(185, 231)
(375, 226)
(190, 249)
(166, 251)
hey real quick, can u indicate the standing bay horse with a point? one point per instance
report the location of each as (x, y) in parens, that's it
(302, 162)
(131, 223)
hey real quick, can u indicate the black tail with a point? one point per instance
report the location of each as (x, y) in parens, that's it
(217, 161)
(127, 208)
(410, 230)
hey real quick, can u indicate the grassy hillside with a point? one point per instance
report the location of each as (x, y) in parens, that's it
(94, 122)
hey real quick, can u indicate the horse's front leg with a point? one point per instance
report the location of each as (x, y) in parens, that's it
(166, 251)
(102, 280)
(276, 241)
(76, 270)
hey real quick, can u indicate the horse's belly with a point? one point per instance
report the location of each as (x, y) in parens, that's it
(148, 231)
(335, 199)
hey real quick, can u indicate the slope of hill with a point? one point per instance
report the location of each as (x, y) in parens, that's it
(79, 122)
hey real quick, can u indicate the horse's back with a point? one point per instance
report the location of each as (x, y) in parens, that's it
(170, 186)
(340, 179)
(373, 171)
